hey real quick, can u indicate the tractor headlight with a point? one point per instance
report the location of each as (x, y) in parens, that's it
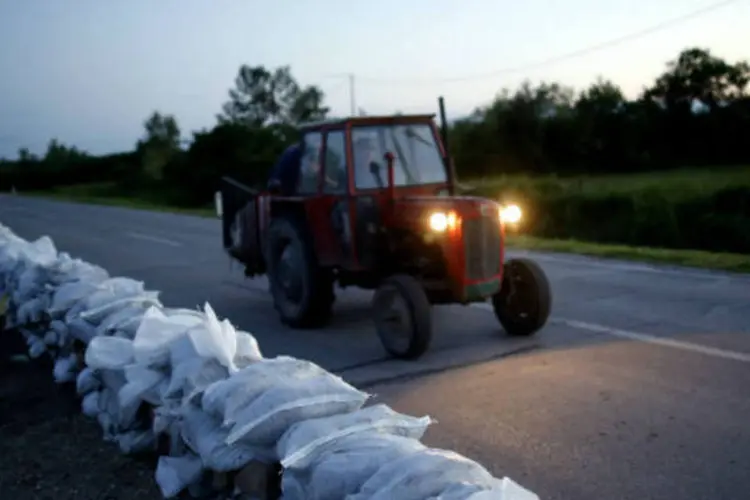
(511, 214)
(441, 221)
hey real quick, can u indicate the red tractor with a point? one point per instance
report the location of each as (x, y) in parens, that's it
(376, 208)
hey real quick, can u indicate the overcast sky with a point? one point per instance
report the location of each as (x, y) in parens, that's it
(88, 72)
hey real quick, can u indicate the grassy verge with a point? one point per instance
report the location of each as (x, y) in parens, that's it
(678, 184)
(97, 194)
(690, 258)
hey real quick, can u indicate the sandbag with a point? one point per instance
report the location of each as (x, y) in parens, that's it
(109, 353)
(69, 294)
(174, 474)
(421, 475)
(87, 381)
(205, 436)
(306, 438)
(66, 369)
(501, 489)
(292, 400)
(190, 377)
(215, 339)
(155, 333)
(225, 398)
(345, 465)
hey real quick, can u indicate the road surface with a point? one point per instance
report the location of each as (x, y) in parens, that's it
(639, 388)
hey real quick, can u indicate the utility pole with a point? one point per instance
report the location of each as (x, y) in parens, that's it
(352, 95)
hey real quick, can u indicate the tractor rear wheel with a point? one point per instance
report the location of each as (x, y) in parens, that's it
(523, 303)
(302, 292)
(403, 317)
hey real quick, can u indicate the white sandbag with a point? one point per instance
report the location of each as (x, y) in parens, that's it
(174, 474)
(192, 376)
(87, 381)
(109, 353)
(69, 294)
(248, 350)
(112, 379)
(168, 421)
(122, 319)
(97, 314)
(113, 289)
(289, 401)
(421, 475)
(305, 438)
(90, 404)
(36, 348)
(82, 330)
(225, 398)
(136, 441)
(66, 369)
(29, 285)
(140, 380)
(156, 331)
(59, 327)
(216, 340)
(502, 489)
(76, 270)
(109, 410)
(345, 465)
(205, 436)
(31, 311)
(50, 338)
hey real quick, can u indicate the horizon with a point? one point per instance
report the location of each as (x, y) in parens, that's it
(62, 64)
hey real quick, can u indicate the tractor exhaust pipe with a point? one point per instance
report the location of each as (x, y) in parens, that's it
(444, 137)
(390, 158)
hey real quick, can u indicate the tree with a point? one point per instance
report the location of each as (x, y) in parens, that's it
(26, 156)
(262, 98)
(697, 76)
(161, 130)
(161, 141)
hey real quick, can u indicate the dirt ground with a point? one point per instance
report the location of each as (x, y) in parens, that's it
(49, 449)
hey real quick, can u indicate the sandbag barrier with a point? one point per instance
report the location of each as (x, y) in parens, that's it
(224, 419)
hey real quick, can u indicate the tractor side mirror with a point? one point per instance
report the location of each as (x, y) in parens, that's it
(274, 186)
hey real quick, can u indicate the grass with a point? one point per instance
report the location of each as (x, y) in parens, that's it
(702, 182)
(100, 194)
(690, 258)
(686, 183)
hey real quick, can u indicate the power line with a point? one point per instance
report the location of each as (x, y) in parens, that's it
(562, 57)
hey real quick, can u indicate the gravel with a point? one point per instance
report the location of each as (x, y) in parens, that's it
(48, 449)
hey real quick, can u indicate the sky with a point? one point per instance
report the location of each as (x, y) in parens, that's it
(88, 72)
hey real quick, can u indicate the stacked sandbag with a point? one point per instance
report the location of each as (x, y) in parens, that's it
(145, 372)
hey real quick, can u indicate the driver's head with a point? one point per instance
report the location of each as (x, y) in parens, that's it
(364, 149)
(313, 158)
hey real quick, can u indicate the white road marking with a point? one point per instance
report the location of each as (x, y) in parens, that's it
(644, 337)
(153, 239)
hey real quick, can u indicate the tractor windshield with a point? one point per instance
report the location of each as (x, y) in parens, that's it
(417, 155)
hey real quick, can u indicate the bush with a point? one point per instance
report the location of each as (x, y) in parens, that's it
(716, 221)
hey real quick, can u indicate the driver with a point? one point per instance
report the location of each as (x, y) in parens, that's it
(365, 161)
(287, 169)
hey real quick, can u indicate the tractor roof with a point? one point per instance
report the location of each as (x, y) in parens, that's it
(366, 120)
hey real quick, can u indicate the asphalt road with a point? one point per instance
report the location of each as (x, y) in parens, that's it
(639, 388)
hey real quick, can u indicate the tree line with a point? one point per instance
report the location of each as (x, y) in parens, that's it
(696, 113)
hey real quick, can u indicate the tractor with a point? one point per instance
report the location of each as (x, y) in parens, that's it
(376, 207)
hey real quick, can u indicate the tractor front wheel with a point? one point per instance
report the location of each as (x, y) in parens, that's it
(524, 301)
(403, 317)
(302, 291)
